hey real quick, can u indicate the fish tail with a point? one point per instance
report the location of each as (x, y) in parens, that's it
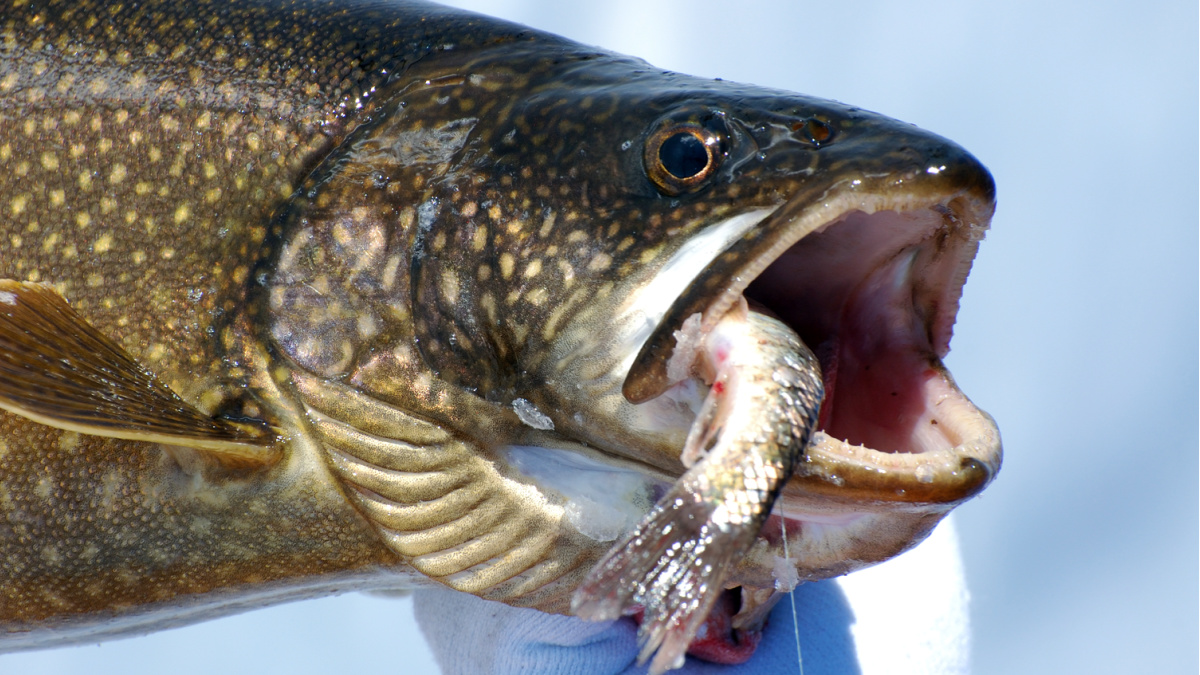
(674, 565)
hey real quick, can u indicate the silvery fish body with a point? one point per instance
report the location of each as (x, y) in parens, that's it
(298, 297)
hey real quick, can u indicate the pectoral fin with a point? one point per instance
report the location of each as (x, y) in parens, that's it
(58, 370)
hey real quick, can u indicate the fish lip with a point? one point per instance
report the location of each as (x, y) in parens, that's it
(849, 472)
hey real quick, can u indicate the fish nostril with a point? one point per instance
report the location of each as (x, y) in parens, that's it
(814, 131)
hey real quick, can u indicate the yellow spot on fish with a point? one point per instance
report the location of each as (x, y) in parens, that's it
(470, 209)
(390, 268)
(85, 180)
(537, 296)
(117, 174)
(506, 265)
(17, 204)
(83, 219)
(103, 244)
(95, 280)
(49, 161)
(479, 240)
(182, 212)
(600, 262)
(167, 253)
(450, 287)
(494, 212)
(51, 556)
(139, 257)
(44, 487)
(533, 269)
(9, 81)
(488, 303)
(65, 82)
(50, 242)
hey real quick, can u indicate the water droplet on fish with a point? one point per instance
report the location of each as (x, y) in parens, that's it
(531, 416)
(924, 474)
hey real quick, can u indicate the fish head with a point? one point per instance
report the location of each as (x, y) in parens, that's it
(515, 242)
(856, 230)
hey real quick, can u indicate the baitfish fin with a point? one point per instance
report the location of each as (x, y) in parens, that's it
(57, 369)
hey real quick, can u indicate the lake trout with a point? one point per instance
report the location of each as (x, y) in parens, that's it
(303, 297)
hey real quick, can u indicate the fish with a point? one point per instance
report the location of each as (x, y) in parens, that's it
(300, 297)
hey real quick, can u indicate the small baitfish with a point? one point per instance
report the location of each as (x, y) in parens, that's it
(300, 297)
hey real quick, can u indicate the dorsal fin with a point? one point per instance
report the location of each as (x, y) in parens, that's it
(58, 370)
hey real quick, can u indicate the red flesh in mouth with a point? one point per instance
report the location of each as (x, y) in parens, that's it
(873, 298)
(717, 640)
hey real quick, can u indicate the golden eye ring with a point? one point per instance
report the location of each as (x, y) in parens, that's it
(681, 158)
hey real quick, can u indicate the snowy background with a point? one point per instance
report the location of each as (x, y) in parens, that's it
(1078, 330)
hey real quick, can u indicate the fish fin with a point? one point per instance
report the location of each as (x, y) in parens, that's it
(674, 565)
(442, 504)
(57, 369)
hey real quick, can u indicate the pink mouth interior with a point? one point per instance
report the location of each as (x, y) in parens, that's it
(868, 295)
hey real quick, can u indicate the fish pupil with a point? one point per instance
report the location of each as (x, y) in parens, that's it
(683, 155)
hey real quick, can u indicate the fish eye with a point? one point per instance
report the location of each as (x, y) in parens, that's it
(680, 158)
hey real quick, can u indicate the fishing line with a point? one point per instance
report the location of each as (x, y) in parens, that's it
(792, 593)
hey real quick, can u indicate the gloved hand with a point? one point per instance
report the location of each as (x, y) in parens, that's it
(908, 615)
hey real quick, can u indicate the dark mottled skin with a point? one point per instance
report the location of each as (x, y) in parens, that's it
(421, 203)
(143, 151)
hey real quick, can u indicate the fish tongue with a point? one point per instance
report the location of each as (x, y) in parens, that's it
(751, 432)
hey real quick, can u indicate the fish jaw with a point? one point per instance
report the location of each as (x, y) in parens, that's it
(868, 270)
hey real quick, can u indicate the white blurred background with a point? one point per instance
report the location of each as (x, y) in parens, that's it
(1078, 330)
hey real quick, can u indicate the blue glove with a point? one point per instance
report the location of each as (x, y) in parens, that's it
(908, 615)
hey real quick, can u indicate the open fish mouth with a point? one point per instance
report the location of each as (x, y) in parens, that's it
(871, 284)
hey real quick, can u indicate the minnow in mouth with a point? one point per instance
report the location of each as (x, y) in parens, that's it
(873, 291)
